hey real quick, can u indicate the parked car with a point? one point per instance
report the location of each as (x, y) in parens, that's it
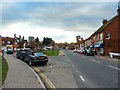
(90, 53)
(22, 53)
(9, 51)
(75, 50)
(83, 51)
(36, 58)
(80, 51)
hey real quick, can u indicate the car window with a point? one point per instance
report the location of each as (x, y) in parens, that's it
(38, 54)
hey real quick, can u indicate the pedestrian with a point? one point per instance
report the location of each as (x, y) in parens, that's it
(99, 53)
(85, 52)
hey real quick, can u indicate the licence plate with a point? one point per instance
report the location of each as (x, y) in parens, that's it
(41, 57)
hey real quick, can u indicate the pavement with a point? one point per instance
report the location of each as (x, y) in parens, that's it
(20, 75)
(61, 53)
(107, 57)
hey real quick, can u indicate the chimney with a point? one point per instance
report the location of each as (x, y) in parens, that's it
(104, 21)
(14, 35)
(118, 8)
(20, 37)
(23, 38)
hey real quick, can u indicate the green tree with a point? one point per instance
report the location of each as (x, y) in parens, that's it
(37, 39)
(47, 41)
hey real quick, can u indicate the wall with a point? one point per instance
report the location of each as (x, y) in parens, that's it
(112, 43)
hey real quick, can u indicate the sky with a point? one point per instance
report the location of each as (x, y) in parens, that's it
(61, 21)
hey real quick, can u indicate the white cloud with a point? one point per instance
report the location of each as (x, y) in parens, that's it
(62, 22)
(26, 31)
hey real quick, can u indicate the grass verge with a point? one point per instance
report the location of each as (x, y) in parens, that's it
(3, 70)
(51, 52)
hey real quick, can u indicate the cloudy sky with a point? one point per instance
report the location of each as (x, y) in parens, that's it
(61, 21)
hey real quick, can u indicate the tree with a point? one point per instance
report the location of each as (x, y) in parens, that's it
(47, 41)
(37, 39)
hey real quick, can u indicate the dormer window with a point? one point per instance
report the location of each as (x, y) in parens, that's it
(107, 35)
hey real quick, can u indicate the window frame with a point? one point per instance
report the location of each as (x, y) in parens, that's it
(107, 35)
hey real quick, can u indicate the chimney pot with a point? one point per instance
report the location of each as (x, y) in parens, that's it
(104, 21)
(118, 11)
(14, 35)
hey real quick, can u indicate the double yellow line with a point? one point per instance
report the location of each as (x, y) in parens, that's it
(46, 79)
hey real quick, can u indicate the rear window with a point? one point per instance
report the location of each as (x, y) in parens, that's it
(26, 50)
(38, 54)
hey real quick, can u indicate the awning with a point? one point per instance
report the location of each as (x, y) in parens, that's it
(91, 46)
(98, 45)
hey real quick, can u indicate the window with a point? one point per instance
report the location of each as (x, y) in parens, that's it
(101, 50)
(107, 35)
(101, 37)
(8, 42)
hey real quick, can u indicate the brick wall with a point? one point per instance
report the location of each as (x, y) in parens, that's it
(112, 43)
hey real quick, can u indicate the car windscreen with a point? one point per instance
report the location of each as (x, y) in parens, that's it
(26, 50)
(38, 54)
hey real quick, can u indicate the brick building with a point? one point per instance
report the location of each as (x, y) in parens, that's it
(107, 38)
(111, 36)
(16, 42)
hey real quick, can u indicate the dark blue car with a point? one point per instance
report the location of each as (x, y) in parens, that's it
(36, 58)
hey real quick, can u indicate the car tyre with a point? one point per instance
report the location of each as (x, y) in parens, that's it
(17, 57)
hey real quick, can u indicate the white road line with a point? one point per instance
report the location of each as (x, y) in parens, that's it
(95, 61)
(82, 78)
(67, 58)
(72, 65)
(76, 71)
(114, 67)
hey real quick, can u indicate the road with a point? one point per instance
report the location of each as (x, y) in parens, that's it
(90, 71)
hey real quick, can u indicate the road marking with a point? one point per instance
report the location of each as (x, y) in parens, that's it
(36, 69)
(76, 71)
(95, 61)
(48, 82)
(114, 67)
(67, 58)
(82, 78)
(72, 65)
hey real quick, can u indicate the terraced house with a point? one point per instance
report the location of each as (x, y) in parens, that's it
(106, 39)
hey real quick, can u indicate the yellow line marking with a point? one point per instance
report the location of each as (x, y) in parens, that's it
(46, 79)
(49, 81)
(36, 69)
